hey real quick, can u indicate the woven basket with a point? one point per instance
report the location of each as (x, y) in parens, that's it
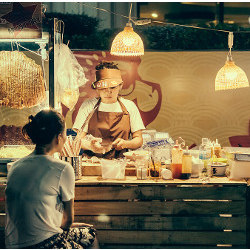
(21, 81)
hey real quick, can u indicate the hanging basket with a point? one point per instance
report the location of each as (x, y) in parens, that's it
(127, 43)
(231, 76)
(21, 81)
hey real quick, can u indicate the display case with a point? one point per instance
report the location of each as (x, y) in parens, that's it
(31, 51)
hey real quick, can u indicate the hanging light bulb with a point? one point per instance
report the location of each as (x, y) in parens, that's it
(127, 42)
(230, 76)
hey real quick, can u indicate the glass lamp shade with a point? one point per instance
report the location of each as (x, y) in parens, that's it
(127, 43)
(230, 76)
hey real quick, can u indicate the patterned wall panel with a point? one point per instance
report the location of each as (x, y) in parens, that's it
(190, 106)
(181, 84)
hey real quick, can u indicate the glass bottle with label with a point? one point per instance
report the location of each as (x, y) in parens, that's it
(155, 164)
(176, 165)
(205, 155)
(186, 165)
(217, 149)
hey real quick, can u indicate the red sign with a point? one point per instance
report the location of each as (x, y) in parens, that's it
(129, 69)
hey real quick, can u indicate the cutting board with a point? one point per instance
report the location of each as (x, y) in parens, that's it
(95, 169)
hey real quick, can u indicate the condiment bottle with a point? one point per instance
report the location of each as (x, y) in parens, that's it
(176, 164)
(205, 155)
(186, 164)
(217, 149)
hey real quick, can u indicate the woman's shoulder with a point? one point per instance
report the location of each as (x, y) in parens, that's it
(128, 103)
(89, 102)
(58, 162)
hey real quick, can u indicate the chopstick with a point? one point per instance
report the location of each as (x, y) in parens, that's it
(71, 147)
(153, 162)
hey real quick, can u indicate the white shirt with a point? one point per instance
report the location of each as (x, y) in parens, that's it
(36, 187)
(87, 107)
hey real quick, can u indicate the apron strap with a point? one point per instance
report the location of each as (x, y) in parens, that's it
(124, 110)
(97, 104)
(90, 114)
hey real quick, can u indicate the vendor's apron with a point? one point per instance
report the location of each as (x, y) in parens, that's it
(109, 126)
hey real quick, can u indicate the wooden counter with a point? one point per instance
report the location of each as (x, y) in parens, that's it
(133, 213)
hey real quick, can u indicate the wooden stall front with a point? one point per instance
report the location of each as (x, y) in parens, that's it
(162, 214)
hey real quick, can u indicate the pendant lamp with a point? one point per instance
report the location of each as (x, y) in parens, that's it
(230, 76)
(127, 42)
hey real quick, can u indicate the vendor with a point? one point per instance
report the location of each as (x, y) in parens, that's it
(115, 120)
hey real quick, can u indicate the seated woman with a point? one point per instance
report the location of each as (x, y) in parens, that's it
(40, 192)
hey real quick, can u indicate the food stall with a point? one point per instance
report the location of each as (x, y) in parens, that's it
(146, 210)
(159, 213)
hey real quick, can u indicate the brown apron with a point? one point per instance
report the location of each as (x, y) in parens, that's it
(109, 126)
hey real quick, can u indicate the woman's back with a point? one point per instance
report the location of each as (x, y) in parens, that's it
(37, 185)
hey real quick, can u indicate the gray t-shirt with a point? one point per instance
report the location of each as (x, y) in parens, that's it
(36, 187)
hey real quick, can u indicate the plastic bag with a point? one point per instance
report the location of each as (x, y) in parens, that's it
(113, 169)
(69, 76)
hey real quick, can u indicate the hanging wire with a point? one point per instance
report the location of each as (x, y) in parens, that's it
(11, 43)
(104, 10)
(230, 44)
(190, 26)
(43, 70)
(161, 22)
(130, 13)
(19, 45)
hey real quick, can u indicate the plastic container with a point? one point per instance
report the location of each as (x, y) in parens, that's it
(205, 150)
(176, 165)
(150, 132)
(197, 166)
(113, 169)
(186, 165)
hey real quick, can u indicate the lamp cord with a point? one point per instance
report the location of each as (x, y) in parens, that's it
(19, 45)
(130, 13)
(230, 44)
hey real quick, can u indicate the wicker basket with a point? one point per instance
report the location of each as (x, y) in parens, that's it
(21, 81)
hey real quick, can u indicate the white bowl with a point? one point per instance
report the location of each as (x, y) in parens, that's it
(218, 169)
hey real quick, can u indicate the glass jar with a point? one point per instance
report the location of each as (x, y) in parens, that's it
(155, 165)
(205, 172)
(141, 169)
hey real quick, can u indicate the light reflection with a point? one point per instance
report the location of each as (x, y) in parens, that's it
(103, 218)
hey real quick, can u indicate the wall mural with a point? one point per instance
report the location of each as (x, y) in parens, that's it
(134, 88)
(174, 92)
